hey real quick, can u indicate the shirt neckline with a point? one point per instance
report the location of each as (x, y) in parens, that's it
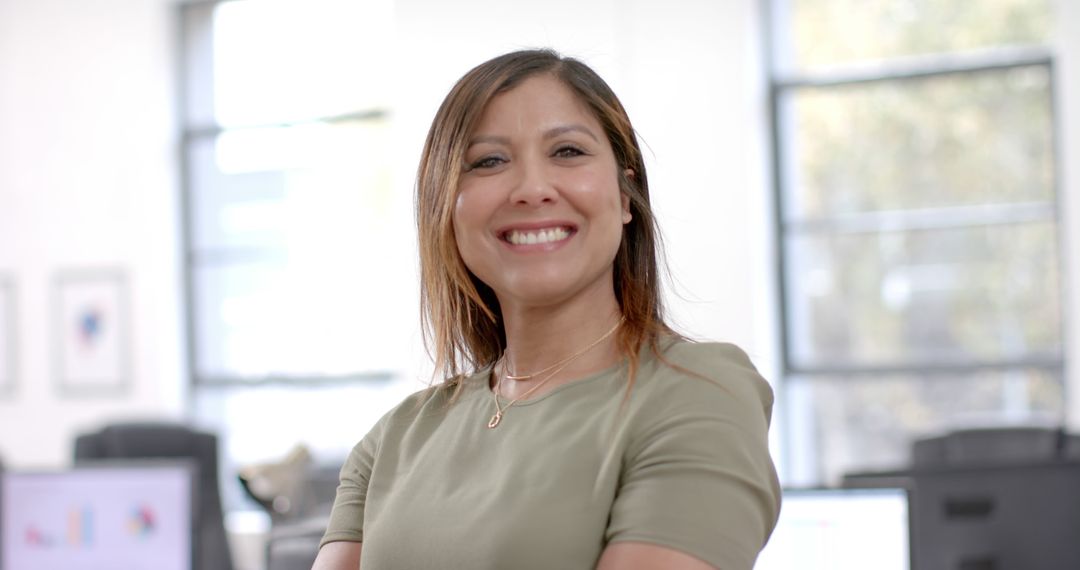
(480, 379)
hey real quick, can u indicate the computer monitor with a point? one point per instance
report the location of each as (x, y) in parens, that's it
(840, 529)
(99, 516)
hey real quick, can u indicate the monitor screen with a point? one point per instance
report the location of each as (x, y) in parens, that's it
(840, 529)
(105, 516)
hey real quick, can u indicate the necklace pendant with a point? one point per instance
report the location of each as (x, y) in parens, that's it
(494, 423)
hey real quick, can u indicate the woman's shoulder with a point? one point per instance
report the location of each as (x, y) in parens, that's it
(688, 352)
(709, 371)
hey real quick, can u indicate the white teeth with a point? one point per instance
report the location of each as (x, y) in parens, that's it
(540, 236)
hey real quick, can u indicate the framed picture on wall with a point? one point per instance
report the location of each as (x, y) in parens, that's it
(7, 336)
(92, 333)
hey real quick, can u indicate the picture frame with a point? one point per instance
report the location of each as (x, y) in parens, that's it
(8, 346)
(92, 333)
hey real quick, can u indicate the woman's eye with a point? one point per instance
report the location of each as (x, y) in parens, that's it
(486, 162)
(568, 151)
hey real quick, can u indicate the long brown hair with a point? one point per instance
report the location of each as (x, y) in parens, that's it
(463, 327)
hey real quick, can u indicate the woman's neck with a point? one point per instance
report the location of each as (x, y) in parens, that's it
(537, 339)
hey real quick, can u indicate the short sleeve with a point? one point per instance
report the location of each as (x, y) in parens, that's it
(347, 517)
(697, 476)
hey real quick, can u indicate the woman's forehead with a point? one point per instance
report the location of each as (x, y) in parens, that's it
(543, 103)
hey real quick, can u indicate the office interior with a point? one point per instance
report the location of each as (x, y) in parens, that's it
(118, 118)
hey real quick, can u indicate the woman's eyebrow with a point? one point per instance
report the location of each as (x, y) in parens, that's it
(493, 139)
(548, 134)
(563, 129)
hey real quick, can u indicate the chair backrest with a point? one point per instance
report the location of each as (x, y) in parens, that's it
(146, 440)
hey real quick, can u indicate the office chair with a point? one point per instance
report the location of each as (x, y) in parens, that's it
(153, 440)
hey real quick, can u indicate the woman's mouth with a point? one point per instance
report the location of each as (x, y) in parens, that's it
(536, 236)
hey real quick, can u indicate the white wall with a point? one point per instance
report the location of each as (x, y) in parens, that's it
(87, 180)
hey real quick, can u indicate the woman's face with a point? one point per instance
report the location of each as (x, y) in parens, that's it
(539, 214)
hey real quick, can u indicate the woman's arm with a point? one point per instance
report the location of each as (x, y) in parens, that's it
(339, 555)
(644, 556)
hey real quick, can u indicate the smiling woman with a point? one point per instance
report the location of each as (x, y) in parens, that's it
(574, 428)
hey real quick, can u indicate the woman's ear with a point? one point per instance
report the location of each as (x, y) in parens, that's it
(626, 215)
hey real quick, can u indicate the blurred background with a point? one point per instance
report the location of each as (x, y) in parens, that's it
(877, 200)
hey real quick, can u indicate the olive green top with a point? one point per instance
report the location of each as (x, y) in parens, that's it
(684, 465)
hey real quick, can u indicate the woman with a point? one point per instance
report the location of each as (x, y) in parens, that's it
(587, 433)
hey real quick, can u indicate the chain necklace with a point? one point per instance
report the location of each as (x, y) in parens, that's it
(500, 410)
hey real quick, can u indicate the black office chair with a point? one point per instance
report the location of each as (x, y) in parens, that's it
(153, 440)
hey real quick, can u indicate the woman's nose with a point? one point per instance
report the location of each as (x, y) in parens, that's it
(534, 185)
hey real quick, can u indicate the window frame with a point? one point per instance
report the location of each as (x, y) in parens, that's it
(782, 83)
(194, 58)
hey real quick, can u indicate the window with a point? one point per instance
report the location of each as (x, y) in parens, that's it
(918, 231)
(300, 264)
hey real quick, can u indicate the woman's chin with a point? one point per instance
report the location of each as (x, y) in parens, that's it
(553, 290)
(535, 294)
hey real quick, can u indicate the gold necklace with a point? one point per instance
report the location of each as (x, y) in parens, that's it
(500, 410)
(557, 364)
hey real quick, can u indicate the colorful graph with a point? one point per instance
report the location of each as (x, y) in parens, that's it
(36, 538)
(142, 521)
(80, 527)
(102, 517)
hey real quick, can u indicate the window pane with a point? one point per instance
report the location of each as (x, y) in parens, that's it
(300, 253)
(954, 140)
(841, 425)
(303, 316)
(979, 293)
(285, 186)
(830, 32)
(278, 60)
(234, 210)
